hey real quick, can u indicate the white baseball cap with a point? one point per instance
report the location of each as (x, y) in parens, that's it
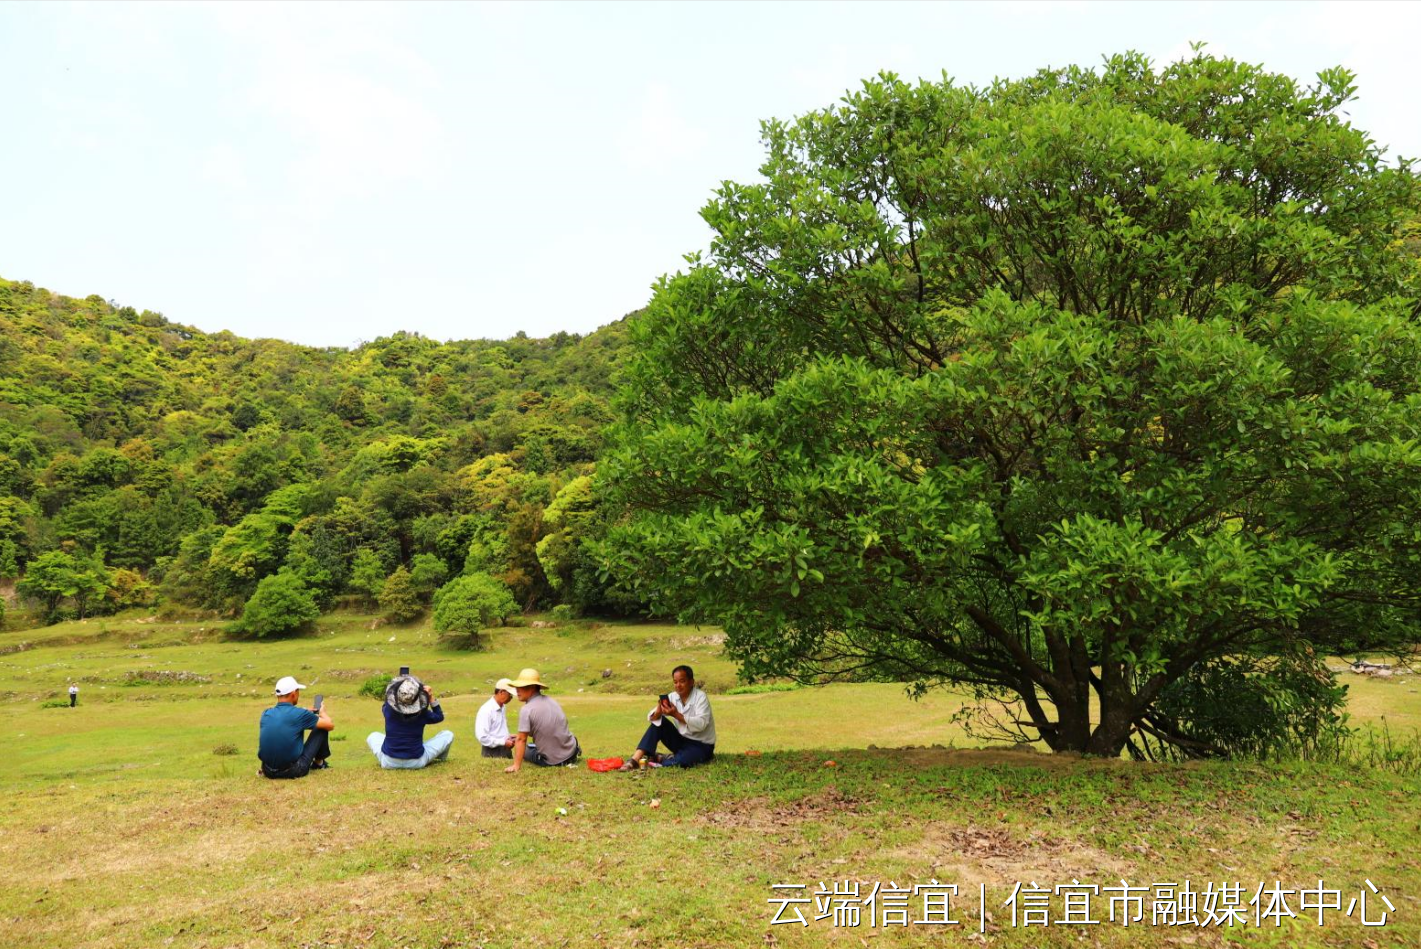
(287, 684)
(504, 685)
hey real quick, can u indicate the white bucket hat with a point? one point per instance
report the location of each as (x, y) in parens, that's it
(405, 694)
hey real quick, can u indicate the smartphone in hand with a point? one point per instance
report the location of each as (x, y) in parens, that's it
(404, 670)
(320, 700)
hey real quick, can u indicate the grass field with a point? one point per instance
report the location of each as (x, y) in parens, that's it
(126, 824)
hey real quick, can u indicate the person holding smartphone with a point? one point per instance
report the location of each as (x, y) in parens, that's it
(281, 749)
(409, 706)
(682, 722)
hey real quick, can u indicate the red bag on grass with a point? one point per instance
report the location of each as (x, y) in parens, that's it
(604, 764)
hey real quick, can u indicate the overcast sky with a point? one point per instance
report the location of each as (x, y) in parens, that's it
(333, 173)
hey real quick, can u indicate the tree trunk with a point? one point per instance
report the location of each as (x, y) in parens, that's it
(1109, 738)
(1117, 712)
(1073, 713)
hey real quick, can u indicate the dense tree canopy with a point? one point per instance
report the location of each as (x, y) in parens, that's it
(205, 463)
(1064, 389)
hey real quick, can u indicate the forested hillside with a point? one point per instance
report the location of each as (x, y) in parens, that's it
(145, 461)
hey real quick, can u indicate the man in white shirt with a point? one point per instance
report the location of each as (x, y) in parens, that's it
(681, 721)
(491, 725)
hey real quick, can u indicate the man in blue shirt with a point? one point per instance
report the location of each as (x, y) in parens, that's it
(281, 749)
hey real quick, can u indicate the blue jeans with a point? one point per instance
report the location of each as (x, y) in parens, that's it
(435, 749)
(685, 752)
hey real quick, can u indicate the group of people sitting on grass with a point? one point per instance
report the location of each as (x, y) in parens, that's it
(681, 722)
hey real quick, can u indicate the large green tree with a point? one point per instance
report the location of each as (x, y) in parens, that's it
(1063, 389)
(469, 604)
(59, 575)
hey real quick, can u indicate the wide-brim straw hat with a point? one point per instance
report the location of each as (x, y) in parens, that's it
(398, 695)
(528, 677)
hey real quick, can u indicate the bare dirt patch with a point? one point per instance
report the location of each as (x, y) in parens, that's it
(995, 856)
(758, 814)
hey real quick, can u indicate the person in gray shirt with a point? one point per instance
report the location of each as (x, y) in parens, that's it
(541, 723)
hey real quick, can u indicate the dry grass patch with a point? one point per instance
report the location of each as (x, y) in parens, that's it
(974, 854)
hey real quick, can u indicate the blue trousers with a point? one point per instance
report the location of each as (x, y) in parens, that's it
(436, 749)
(685, 752)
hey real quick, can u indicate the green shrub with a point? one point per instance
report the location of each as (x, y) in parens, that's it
(563, 612)
(282, 604)
(374, 687)
(1256, 707)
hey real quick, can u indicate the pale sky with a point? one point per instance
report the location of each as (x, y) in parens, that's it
(332, 173)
